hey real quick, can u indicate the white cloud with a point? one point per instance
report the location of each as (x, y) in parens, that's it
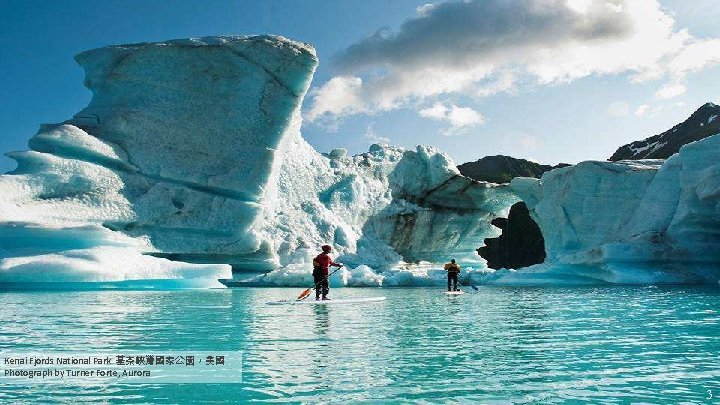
(580, 6)
(424, 9)
(641, 110)
(503, 83)
(529, 143)
(695, 56)
(371, 137)
(483, 47)
(464, 117)
(437, 112)
(459, 118)
(671, 90)
(341, 95)
(647, 110)
(618, 109)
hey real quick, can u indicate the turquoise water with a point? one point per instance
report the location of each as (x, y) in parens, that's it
(523, 345)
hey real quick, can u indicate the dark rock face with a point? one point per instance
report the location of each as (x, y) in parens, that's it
(702, 123)
(521, 243)
(502, 169)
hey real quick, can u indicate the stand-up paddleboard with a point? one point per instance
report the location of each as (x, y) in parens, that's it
(455, 292)
(312, 301)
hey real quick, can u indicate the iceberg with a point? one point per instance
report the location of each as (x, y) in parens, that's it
(45, 255)
(189, 162)
(629, 222)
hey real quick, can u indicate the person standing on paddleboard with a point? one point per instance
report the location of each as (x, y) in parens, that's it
(453, 269)
(321, 270)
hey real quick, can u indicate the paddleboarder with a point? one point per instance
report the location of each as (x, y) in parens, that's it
(453, 269)
(321, 267)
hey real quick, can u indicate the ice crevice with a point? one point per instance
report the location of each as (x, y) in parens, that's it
(269, 73)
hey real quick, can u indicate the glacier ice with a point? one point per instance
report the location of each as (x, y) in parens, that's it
(191, 150)
(189, 161)
(631, 222)
(82, 254)
(422, 274)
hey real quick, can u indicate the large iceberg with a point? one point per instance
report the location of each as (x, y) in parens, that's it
(643, 221)
(189, 161)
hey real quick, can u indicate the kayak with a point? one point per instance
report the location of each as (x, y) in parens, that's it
(311, 301)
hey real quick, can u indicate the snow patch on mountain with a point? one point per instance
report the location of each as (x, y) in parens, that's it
(699, 125)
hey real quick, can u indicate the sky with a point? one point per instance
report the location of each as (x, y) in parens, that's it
(546, 80)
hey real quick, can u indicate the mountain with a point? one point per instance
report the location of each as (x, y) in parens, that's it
(701, 124)
(502, 169)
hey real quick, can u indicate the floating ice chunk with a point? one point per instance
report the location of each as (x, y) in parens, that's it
(363, 276)
(102, 264)
(42, 254)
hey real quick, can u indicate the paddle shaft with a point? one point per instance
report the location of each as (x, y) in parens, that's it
(325, 278)
(466, 279)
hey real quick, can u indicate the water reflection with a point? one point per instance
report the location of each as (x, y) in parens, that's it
(322, 320)
(520, 345)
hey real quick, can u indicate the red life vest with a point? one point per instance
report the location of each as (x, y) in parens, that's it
(323, 262)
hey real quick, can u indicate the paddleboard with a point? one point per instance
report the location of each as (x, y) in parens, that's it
(454, 292)
(311, 301)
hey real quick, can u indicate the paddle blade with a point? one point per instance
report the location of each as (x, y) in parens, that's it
(474, 288)
(303, 295)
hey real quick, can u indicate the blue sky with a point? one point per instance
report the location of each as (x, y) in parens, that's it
(449, 75)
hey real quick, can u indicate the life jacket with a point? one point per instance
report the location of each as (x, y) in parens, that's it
(452, 268)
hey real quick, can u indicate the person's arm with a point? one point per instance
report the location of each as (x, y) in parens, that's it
(332, 263)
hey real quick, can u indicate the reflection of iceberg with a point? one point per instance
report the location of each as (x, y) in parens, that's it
(190, 150)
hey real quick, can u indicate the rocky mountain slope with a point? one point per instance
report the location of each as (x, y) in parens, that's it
(501, 169)
(702, 123)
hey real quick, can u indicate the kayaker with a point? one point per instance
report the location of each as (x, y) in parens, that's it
(453, 269)
(321, 267)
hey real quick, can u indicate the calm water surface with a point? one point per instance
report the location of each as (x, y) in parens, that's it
(521, 345)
